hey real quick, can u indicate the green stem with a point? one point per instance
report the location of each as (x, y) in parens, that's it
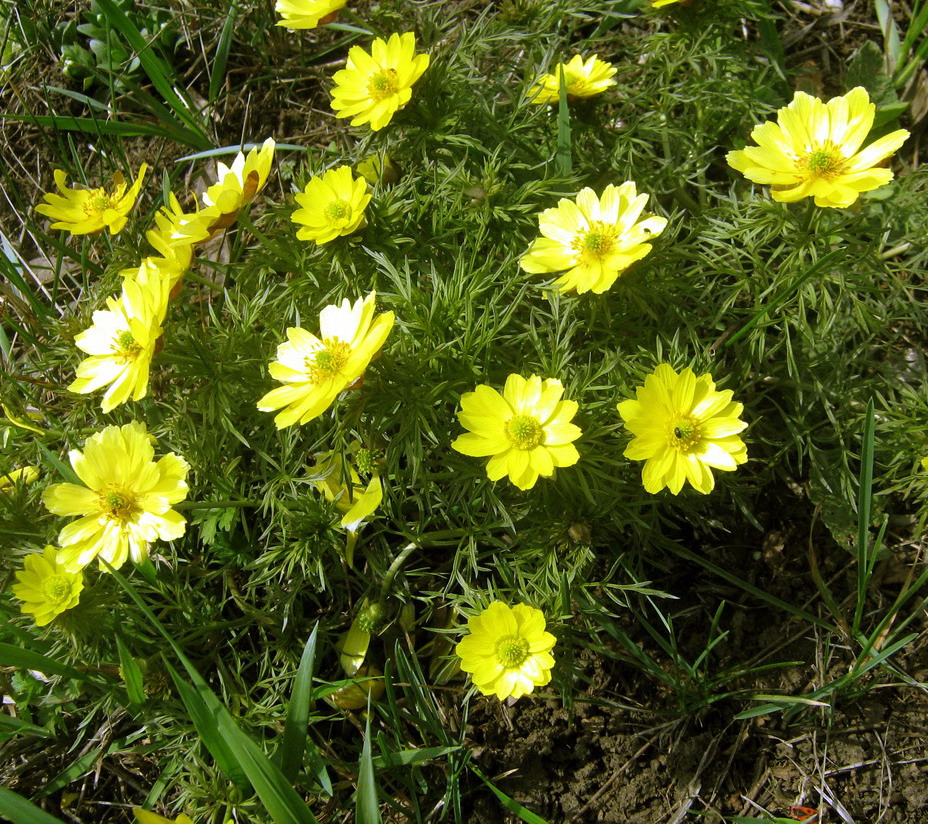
(191, 275)
(362, 23)
(227, 504)
(395, 567)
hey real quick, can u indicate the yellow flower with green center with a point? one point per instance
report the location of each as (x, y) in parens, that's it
(582, 78)
(315, 370)
(813, 150)
(683, 430)
(373, 87)
(122, 340)
(594, 238)
(45, 587)
(90, 211)
(125, 502)
(526, 431)
(306, 14)
(508, 651)
(238, 184)
(331, 206)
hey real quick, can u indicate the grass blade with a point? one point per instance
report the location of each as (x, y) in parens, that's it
(784, 294)
(155, 69)
(290, 755)
(367, 808)
(524, 813)
(221, 58)
(864, 508)
(565, 164)
(131, 674)
(11, 656)
(18, 810)
(207, 727)
(281, 801)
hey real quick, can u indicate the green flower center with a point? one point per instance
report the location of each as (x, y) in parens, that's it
(126, 345)
(118, 505)
(824, 162)
(338, 210)
(524, 432)
(597, 243)
(56, 588)
(98, 202)
(325, 364)
(365, 461)
(383, 84)
(683, 434)
(511, 651)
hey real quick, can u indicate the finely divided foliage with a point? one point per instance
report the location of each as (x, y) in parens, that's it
(475, 384)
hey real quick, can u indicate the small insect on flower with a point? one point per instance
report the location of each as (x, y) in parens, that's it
(332, 205)
(45, 587)
(373, 87)
(314, 370)
(526, 431)
(508, 651)
(813, 150)
(582, 78)
(125, 501)
(238, 184)
(594, 238)
(683, 429)
(89, 211)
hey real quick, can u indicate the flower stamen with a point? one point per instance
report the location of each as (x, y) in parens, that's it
(524, 432)
(338, 210)
(383, 84)
(512, 651)
(325, 363)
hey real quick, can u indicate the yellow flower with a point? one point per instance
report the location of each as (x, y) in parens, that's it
(238, 184)
(126, 500)
(306, 14)
(177, 232)
(594, 238)
(925, 464)
(316, 370)
(122, 340)
(658, 3)
(146, 817)
(508, 652)
(332, 205)
(526, 430)
(26, 475)
(812, 151)
(373, 87)
(581, 79)
(90, 211)
(45, 587)
(683, 429)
